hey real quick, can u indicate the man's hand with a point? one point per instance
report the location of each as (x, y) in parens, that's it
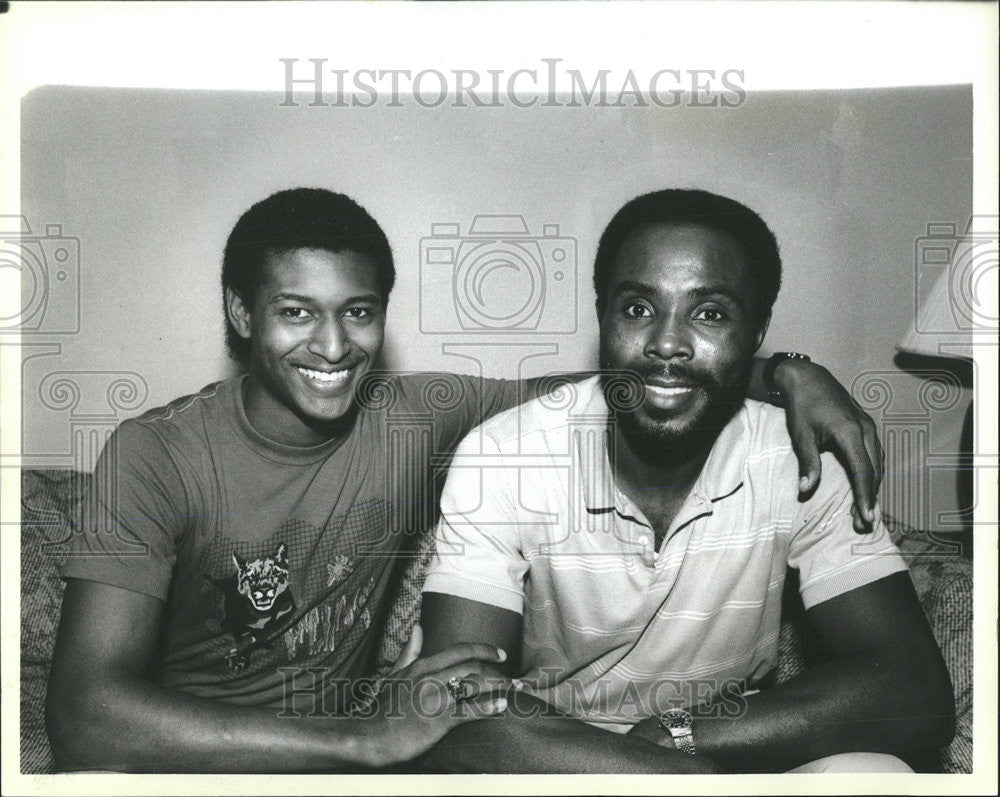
(411, 650)
(650, 730)
(415, 708)
(822, 415)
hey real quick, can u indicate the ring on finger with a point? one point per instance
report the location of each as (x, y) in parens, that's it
(460, 688)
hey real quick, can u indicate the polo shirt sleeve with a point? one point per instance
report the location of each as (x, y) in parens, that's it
(478, 550)
(126, 528)
(830, 556)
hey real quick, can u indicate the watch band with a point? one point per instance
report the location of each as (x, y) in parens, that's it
(771, 366)
(684, 741)
(677, 723)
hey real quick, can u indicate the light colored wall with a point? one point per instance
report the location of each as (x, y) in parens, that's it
(152, 182)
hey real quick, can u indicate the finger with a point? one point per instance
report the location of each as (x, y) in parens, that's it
(463, 686)
(478, 708)
(859, 523)
(486, 675)
(411, 650)
(464, 652)
(854, 455)
(810, 466)
(876, 453)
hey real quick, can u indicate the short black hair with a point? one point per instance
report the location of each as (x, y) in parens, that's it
(299, 218)
(691, 206)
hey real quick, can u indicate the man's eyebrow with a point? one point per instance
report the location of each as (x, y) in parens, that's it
(721, 289)
(363, 297)
(298, 297)
(717, 290)
(291, 297)
(631, 286)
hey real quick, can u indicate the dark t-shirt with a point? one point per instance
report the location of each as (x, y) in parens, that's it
(274, 561)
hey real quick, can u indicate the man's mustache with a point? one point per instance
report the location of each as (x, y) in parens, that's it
(675, 372)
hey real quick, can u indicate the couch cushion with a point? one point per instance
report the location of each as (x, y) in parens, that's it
(47, 498)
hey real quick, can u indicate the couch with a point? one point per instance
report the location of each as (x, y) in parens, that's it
(943, 581)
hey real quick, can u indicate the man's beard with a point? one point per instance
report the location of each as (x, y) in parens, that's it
(649, 431)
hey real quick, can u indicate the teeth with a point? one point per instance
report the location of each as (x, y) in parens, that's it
(323, 376)
(669, 391)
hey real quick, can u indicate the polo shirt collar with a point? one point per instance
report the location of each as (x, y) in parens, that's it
(721, 476)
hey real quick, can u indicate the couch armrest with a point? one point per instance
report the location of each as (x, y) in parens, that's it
(948, 606)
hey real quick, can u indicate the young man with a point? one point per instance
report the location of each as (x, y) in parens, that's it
(233, 563)
(633, 548)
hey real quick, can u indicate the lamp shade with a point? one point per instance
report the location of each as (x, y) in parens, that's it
(955, 289)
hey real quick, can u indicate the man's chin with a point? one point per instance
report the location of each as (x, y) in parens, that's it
(331, 414)
(659, 427)
(653, 428)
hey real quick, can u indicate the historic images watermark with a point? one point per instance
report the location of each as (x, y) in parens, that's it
(48, 301)
(41, 308)
(549, 84)
(955, 278)
(316, 692)
(460, 274)
(962, 263)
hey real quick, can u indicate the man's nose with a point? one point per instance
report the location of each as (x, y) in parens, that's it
(671, 338)
(329, 341)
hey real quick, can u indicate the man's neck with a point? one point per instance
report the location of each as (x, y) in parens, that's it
(272, 420)
(657, 476)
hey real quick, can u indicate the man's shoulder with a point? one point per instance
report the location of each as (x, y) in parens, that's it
(765, 429)
(771, 461)
(769, 458)
(186, 416)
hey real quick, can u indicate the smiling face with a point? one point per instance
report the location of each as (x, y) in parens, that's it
(679, 313)
(315, 326)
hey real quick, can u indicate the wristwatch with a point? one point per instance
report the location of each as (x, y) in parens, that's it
(772, 364)
(677, 722)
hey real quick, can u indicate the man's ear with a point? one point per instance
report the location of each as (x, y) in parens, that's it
(761, 332)
(237, 313)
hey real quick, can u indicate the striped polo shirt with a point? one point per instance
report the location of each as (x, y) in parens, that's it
(613, 630)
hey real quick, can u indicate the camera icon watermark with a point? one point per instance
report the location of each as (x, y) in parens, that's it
(49, 269)
(498, 277)
(956, 278)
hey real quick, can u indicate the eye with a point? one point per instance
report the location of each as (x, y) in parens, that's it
(295, 313)
(711, 314)
(359, 313)
(637, 310)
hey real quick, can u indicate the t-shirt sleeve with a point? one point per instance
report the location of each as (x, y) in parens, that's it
(478, 552)
(830, 556)
(126, 528)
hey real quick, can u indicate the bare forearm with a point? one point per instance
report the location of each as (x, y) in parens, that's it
(863, 703)
(132, 725)
(756, 389)
(523, 742)
(784, 376)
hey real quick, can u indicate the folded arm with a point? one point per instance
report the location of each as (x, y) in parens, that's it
(885, 688)
(105, 712)
(530, 736)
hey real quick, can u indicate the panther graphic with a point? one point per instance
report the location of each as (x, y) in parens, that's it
(257, 603)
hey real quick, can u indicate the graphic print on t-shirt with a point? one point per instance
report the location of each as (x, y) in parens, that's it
(326, 604)
(257, 602)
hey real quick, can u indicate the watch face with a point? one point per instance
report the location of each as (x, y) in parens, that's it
(675, 718)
